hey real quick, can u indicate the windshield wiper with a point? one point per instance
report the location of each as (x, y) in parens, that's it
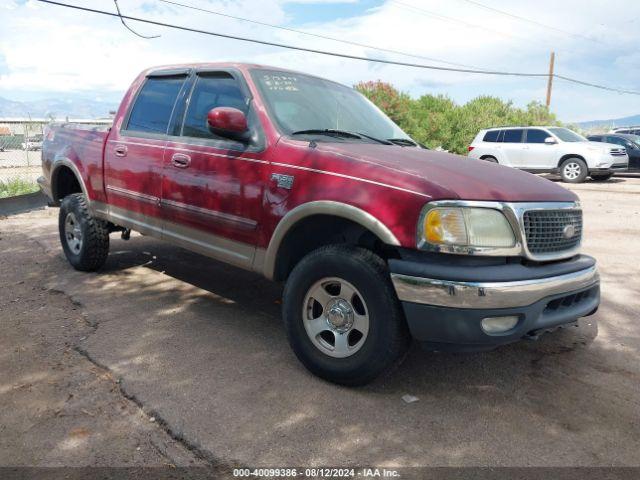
(339, 133)
(403, 142)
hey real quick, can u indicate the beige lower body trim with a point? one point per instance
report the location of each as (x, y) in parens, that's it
(229, 251)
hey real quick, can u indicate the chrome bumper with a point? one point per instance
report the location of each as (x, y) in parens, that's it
(489, 295)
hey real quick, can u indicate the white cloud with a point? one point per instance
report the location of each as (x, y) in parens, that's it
(49, 48)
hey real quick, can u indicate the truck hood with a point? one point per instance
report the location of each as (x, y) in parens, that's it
(447, 176)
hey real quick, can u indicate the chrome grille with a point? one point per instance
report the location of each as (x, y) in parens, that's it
(546, 230)
(618, 152)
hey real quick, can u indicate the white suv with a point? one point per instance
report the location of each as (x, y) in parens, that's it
(549, 150)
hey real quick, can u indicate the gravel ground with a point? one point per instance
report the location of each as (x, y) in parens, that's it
(88, 361)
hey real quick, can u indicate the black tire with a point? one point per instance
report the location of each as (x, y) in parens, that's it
(573, 170)
(602, 177)
(91, 252)
(490, 159)
(388, 338)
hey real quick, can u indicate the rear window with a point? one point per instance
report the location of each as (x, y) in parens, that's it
(513, 136)
(152, 109)
(491, 136)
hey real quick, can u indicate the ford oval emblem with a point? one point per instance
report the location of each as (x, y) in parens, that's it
(568, 231)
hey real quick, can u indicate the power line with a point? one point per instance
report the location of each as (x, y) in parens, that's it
(128, 27)
(595, 85)
(317, 35)
(454, 20)
(341, 55)
(529, 20)
(293, 47)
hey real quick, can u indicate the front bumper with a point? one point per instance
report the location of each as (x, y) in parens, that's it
(614, 167)
(447, 313)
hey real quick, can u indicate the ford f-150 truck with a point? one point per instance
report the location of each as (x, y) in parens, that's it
(305, 181)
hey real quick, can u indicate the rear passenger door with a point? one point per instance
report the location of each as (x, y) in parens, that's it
(212, 186)
(134, 153)
(511, 147)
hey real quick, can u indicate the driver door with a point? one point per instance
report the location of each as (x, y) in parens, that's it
(512, 147)
(212, 187)
(536, 154)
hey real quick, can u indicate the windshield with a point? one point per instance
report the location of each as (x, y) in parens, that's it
(634, 138)
(300, 102)
(567, 135)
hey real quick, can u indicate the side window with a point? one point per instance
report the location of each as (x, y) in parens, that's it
(535, 135)
(617, 141)
(513, 136)
(152, 109)
(491, 136)
(594, 138)
(211, 91)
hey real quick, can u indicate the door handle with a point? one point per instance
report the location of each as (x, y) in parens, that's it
(120, 150)
(180, 160)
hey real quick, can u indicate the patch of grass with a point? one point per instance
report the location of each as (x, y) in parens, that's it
(17, 186)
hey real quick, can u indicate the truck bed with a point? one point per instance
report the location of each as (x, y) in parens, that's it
(83, 146)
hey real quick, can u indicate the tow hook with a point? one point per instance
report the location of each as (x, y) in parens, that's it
(535, 334)
(126, 234)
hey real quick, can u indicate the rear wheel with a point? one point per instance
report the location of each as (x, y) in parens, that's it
(490, 159)
(343, 318)
(602, 177)
(84, 238)
(573, 170)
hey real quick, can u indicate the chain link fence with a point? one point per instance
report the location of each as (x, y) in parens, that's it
(21, 153)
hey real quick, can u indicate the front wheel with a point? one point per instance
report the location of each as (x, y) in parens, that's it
(342, 316)
(574, 170)
(84, 238)
(601, 177)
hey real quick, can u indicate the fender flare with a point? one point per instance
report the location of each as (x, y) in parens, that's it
(65, 162)
(322, 207)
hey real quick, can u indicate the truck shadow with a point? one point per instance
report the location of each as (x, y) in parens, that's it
(238, 365)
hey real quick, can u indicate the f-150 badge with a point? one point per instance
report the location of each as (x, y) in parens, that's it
(283, 181)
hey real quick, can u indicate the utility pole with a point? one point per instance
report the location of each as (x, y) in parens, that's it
(552, 61)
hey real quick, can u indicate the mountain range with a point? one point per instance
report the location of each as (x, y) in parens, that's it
(73, 106)
(59, 108)
(613, 122)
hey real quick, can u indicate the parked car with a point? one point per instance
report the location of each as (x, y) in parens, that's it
(549, 150)
(633, 130)
(33, 143)
(630, 142)
(306, 182)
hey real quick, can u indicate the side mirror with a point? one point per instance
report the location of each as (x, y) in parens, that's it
(228, 122)
(550, 141)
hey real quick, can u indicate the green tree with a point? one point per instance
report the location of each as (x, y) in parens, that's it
(437, 121)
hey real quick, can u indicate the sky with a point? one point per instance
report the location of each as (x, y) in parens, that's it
(50, 51)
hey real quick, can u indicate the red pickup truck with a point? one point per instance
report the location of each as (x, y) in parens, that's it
(305, 181)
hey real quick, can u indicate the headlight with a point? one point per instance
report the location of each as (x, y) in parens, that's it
(465, 227)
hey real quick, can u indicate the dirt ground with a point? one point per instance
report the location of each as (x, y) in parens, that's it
(166, 358)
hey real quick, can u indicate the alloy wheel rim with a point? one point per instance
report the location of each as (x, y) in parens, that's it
(572, 170)
(335, 317)
(73, 233)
